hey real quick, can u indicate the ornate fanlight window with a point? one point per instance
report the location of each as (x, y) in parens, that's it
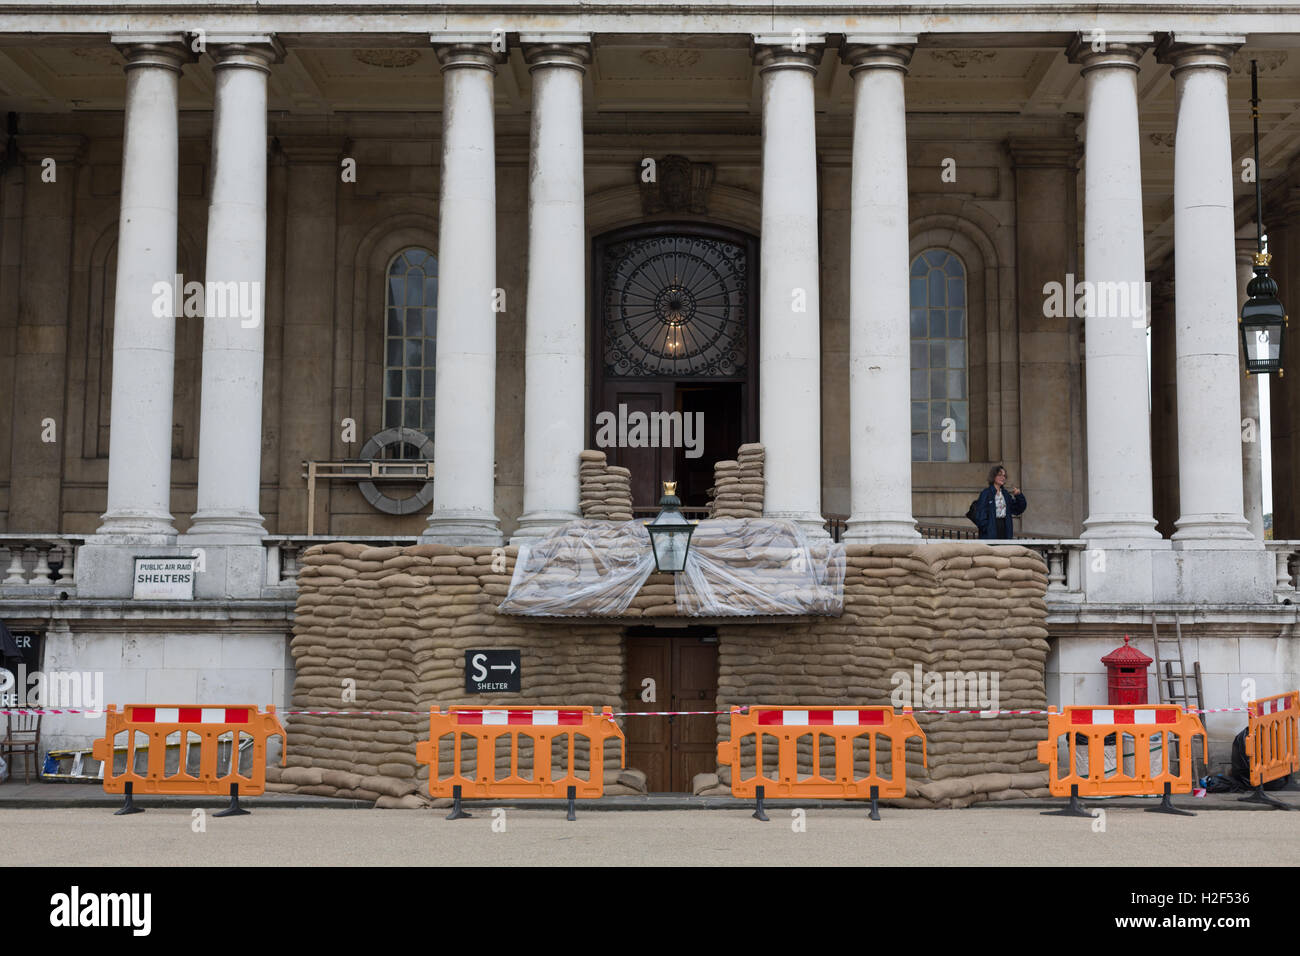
(675, 306)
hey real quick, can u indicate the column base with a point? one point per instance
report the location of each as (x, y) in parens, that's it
(106, 562)
(881, 529)
(477, 528)
(1214, 532)
(536, 525)
(813, 525)
(137, 527)
(1124, 531)
(225, 528)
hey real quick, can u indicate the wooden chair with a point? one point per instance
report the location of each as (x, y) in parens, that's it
(23, 739)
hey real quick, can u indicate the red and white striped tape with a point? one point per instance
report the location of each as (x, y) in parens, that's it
(1158, 715)
(1275, 706)
(990, 712)
(820, 718)
(38, 711)
(527, 718)
(187, 715)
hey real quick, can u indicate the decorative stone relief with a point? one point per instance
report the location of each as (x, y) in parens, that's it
(680, 186)
(387, 59)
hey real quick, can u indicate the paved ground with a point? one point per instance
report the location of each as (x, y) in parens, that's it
(310, 836)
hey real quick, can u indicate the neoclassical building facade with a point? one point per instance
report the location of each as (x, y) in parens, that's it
(241, 241)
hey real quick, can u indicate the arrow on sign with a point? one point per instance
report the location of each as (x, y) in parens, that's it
(504, 667)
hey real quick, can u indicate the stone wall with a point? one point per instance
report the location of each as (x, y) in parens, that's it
(398, 621)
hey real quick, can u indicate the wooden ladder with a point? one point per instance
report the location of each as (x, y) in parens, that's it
(1174, 685)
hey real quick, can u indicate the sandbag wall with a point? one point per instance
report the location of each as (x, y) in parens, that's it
(949, 607)
(391, 626)
(397, 622)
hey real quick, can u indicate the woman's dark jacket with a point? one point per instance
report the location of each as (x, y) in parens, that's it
(986, 511)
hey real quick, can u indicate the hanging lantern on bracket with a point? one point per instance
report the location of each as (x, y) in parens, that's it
(1263, 319)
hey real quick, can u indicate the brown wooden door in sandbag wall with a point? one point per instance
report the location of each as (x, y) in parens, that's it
(672, 750)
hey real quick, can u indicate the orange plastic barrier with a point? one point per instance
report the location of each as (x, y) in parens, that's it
(541, 728)
(1115, 726)
(208, 724)
(844, 725)
(1271, 743)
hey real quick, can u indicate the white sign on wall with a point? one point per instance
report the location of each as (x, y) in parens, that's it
(165, 579)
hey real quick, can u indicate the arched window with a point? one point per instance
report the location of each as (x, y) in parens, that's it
(940, 401)
(410, 337)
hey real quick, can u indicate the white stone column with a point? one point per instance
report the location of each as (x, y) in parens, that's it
(464, 430)
(144, 345)
(556, 333)
(880, 447)
(230, 424)
(1252, 463)
(789, 401)
(1205, 283)
(1118, 432)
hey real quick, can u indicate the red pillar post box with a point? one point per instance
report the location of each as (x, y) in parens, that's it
(1126, 675)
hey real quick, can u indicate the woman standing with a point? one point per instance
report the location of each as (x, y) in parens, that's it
(997, 506)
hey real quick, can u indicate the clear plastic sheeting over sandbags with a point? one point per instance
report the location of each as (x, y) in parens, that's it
(581, 568)
(735, 567)
(760, 566)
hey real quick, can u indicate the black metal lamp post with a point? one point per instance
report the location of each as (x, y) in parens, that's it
(670, 532)
(1263, 319)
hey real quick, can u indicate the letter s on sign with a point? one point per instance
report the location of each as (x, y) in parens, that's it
(480, 672)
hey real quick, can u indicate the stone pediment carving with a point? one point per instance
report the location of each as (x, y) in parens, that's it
(679, 186)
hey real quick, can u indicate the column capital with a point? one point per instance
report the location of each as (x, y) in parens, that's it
(1185, 51)
(572, 50)
(783, 51)
(474, 51)
(862, 51)
(1048, 152)
(255, 51)
(168, 51)
(60, 147)
(1095, 51)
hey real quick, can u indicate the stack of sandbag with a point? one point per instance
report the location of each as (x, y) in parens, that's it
(739, 485)
(967, 611)
(605, 491)
(387, 629)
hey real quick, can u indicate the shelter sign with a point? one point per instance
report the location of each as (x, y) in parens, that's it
(492, 672)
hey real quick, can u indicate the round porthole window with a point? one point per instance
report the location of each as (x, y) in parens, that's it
(423, 446)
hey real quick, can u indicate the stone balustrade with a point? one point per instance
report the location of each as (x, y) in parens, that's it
(1064, 557)
(1285, 555)
(39, 561)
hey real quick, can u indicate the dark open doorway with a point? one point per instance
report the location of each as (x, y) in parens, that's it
(674, 334)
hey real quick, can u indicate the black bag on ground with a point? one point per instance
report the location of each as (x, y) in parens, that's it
(1241, 766)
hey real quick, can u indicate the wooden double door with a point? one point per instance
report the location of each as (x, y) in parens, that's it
(670, 751)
